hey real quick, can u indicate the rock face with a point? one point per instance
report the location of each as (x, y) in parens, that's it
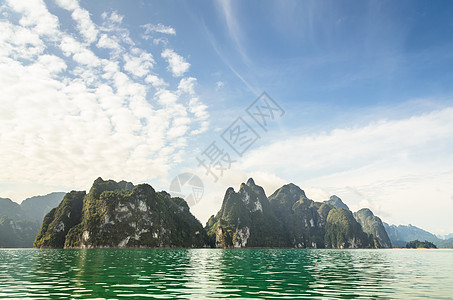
(60, 220)
(286, 219)
(117, 215)
(304, 220)
(336, 202)
(373, 226)
(245, 219)
(343, 231)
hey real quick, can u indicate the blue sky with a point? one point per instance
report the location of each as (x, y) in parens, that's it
(137, 90)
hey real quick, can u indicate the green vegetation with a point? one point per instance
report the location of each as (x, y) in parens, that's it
(59, 221)
(343, 231)
(418, 244)
(372, 225)
(286, 219)
(246, 219)
(117, 214)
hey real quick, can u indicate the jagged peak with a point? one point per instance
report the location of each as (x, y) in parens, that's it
(7, 200)
(336, 202)
(251, 187)
(365, 211)
(142, 187)
(293, 193)
(294, 187)
(99, 180)
(229, 191)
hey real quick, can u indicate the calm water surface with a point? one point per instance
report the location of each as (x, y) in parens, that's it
(231, 273)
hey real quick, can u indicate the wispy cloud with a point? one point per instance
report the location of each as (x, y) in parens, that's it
(233, 26)
(71, 113)
(227, 61)
(159, 28)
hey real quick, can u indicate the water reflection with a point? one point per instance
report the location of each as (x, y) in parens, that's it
(229, 273)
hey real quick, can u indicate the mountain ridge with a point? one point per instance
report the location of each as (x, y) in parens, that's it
(121, 215)
(21, 222)
(247, 218)
(292, 220)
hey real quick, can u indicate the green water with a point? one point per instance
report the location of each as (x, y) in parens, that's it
(217, 273)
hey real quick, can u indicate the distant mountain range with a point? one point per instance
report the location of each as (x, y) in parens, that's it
(20, 223)
(445, 237)
(119, 214)
(402, 234)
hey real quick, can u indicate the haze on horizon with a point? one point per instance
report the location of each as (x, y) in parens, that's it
(138, 92)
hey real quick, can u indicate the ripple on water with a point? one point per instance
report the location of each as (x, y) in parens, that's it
(229, 273)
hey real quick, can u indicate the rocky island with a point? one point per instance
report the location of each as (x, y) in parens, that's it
(121, 215)
(289, 219)
(118, 215)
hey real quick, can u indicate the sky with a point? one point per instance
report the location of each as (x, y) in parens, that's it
(358, 100)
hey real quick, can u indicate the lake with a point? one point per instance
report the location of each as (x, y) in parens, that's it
(226, 273)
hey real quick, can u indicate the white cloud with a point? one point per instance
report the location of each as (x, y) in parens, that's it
(34, 15)
(82, 17)
(156, 81)
(112, 24)
(349, 147)
(68, 117)
(85, 25)
(199, 109)
(86, 57)
(113, 17)
(138, 62)
(219, 85)
(187, 85)
(68, 4)
(162, 41)
(107, 42)
(176, 63)
(401, 169)
(19, 42)
(150, 28)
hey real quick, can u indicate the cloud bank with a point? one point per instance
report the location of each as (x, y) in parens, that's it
(86, 101)
(401, 169)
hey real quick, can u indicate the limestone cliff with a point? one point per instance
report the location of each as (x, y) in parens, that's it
(117, 215)
(245, 219)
